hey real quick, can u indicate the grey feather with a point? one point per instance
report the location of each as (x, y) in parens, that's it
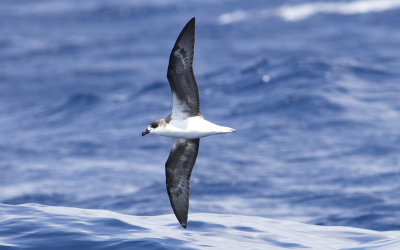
(178, 170)
(180, 72)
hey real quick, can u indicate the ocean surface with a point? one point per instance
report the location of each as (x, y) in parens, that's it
(312, 88)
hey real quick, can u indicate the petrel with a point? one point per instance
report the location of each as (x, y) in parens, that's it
(184, 124)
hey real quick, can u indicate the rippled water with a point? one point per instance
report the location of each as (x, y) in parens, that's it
(312, 89)
(48, 227)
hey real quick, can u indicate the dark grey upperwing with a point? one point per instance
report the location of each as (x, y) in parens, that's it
(178, 169)
(180, 74)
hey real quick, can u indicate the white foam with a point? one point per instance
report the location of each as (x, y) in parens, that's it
(232, 17)
(216, 231)
(306, 10)
(303, 11)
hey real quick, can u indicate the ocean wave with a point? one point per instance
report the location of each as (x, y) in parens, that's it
(74, 105)
(303, 11)
(33, 226)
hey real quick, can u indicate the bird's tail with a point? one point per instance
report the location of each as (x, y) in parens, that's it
(225, 130)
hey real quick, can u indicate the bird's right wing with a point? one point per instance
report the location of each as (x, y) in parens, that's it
(185, 102)
(178, 169)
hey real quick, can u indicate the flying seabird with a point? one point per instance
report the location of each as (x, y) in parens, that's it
(184, 124)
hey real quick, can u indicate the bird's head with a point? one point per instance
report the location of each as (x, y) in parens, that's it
(153, 127)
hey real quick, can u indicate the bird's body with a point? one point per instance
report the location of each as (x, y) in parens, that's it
(190, 128)
(185, 124)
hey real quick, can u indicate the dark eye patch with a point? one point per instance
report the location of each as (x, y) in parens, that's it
(154, 125)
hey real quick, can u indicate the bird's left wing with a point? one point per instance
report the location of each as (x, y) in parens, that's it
(178, 169)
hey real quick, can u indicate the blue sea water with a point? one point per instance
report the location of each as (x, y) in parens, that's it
(312, 88)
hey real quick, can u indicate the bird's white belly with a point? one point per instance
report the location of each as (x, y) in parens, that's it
(191, 128)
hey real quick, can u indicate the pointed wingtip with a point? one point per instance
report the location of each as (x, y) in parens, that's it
(182, 218)
(191, 23)
(185, 39)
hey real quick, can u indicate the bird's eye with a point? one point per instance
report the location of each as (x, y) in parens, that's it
(154, 125)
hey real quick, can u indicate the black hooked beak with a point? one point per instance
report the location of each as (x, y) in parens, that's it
(145, 132)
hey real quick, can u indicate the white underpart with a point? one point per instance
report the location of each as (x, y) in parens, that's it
(191, 128)
(177, 108)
